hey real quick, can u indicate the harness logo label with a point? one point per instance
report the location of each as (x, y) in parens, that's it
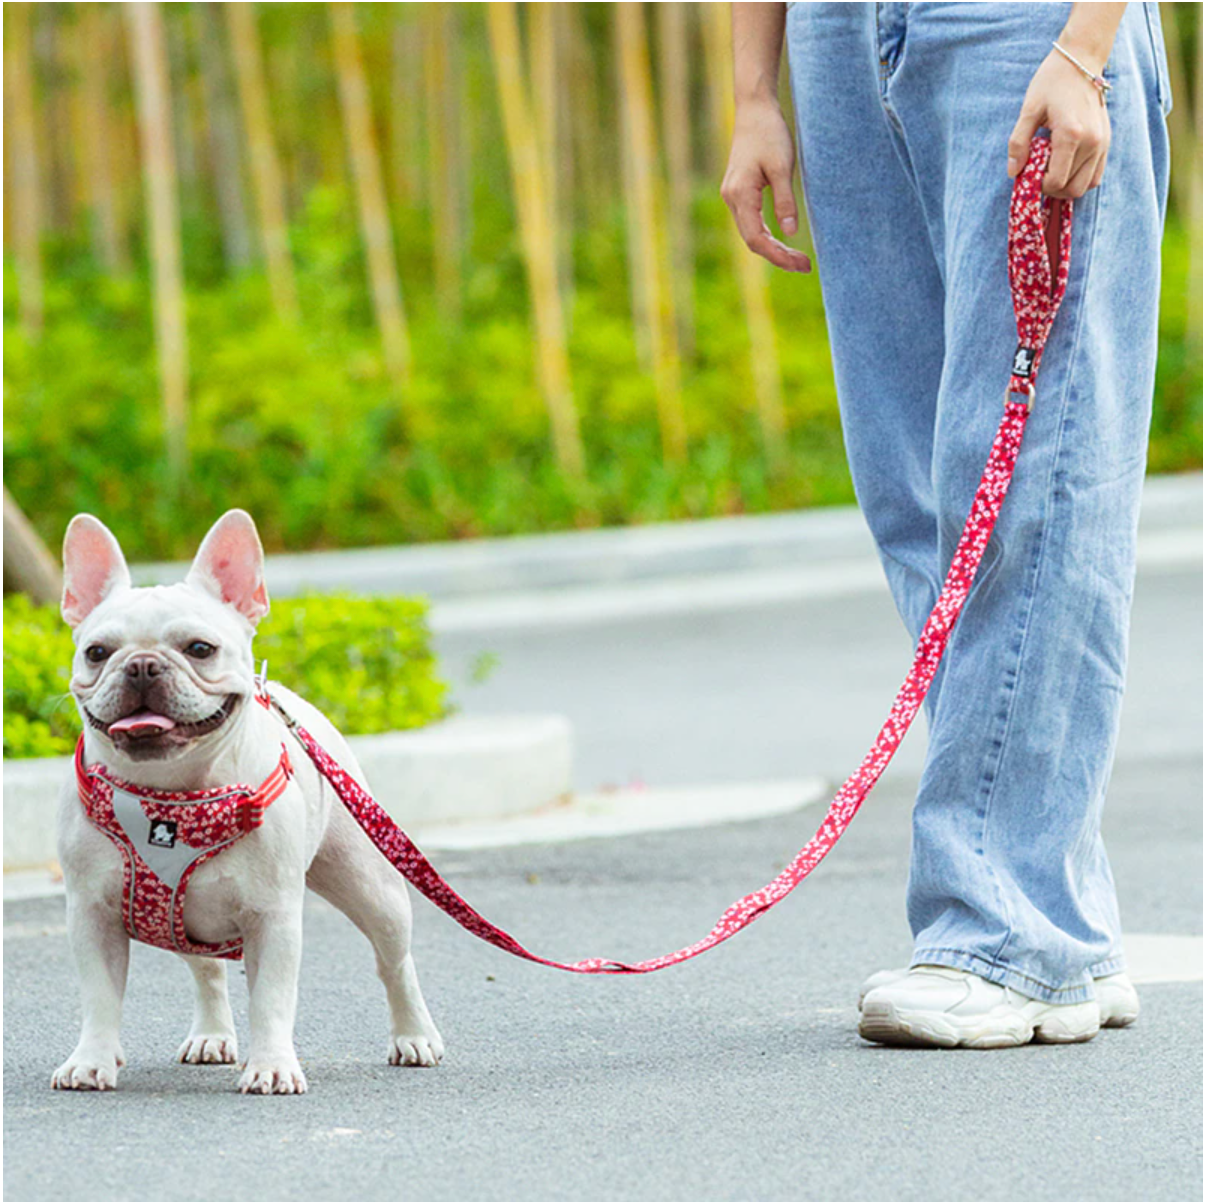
(1023, 361)
(163, 833)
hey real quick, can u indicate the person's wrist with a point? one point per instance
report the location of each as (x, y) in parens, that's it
(756, 100)
(1091, 46)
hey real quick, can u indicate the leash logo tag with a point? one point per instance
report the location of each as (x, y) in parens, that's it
(1023, 361)
(163, 833)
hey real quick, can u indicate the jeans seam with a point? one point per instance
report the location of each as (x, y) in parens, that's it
(989, 779)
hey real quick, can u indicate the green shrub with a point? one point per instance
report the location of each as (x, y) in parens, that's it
(40, 719)
(303, 427)
(366, 663)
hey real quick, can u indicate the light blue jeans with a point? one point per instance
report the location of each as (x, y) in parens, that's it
(904, 112)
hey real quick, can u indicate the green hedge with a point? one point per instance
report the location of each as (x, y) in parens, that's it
(303, 428)
(366, 662)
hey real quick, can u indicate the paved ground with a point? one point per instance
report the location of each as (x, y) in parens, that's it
(736, 1077)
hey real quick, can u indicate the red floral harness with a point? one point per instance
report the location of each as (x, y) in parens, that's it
(163, 836)
(154, 906)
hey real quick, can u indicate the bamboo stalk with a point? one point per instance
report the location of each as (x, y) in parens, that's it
(370, 193)
(647, 251)
(440, 33)
(267, 181)
(223, 136)
(750, 270)
(638, 297)
(26, 186)
(405, 133)
(93, 57)
(544, 69)
(61, 176)
(540, 258)
(29, 566)
(673, 59)
(183, 128)
(1185, 134)
(586, 129)
(148, 52)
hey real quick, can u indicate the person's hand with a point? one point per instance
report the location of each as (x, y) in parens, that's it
(1063, 100)
(763, 156)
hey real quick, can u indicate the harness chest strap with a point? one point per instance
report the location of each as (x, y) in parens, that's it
(1037, 293)
(164, 836)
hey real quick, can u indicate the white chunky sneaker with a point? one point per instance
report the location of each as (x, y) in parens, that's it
(1117, 999)
(936, 1006)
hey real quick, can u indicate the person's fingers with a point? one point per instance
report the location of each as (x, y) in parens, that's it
(1065, 142)
(1082, 179)
(1029, 120)
(1072, 148)
(746, 205)
(1099, 170)
(785, 202)
(745, 202)
(781, 255)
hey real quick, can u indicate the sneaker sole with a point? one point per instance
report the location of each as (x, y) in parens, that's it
(885, 1024)
(1118, 1017)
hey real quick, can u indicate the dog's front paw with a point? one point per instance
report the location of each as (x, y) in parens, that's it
(280, 1075)
(90, 1068)
(426, 1049)
(215, 1048)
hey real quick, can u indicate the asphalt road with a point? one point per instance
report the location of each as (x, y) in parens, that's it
(738, 1076)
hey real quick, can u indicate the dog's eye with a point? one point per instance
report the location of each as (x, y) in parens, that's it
(199, 650)
(96, 653)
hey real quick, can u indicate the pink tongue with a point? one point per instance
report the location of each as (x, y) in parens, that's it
(142, 723)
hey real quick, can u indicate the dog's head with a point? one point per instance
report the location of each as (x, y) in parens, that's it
(160, 673)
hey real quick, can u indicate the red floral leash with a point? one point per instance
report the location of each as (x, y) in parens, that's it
(1036, 299)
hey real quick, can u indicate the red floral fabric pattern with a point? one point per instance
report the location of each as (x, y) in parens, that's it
(209, 821)
(1036, 295)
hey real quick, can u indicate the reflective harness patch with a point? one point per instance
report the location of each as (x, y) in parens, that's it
(163, 836)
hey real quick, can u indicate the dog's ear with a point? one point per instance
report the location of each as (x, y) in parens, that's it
(93, 567)
(230, 565)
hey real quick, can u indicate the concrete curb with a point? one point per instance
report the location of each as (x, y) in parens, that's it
(588, 816)
(479, 568)
(462, 770)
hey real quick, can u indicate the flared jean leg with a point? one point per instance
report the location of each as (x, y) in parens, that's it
(904, 112)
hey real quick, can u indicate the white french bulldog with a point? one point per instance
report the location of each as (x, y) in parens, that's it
(164, 681)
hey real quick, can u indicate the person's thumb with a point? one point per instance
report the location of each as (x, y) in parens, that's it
(1029, 120)
(785, 202)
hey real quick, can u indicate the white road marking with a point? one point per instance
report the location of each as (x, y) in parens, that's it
(1160, 957)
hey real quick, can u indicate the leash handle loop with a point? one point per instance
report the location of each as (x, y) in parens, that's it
(1038, 287)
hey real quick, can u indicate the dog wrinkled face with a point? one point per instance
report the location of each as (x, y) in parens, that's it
(159, 672)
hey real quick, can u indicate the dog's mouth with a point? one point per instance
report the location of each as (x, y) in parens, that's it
(150, 727)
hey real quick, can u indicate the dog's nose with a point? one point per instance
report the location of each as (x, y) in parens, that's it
(143, 667)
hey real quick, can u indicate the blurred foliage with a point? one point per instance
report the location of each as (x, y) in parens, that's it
(366, 663)
(303, 427)
(40, 718)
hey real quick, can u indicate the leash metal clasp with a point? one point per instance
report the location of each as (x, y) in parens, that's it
(1029, 395)
(267, 700)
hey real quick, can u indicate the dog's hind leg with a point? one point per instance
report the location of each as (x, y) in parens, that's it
(212, 1036)
(350, 873)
